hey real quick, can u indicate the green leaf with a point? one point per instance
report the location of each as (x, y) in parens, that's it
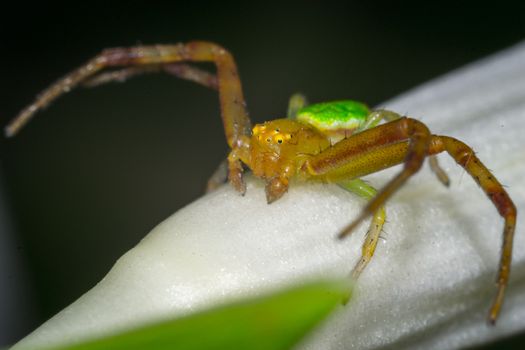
(276, 321)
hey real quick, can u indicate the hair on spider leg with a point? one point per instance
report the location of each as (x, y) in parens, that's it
(473, 154)
(383, 231)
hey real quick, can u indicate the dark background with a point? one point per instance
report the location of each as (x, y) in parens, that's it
(91, 175)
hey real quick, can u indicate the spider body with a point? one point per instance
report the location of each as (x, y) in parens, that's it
(280, 149)
(333, 142)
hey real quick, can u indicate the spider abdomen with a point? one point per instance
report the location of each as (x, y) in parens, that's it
(337, 119)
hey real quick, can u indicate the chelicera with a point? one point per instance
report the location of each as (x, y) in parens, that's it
(331, 142)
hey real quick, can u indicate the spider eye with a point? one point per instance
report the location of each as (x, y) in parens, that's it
(280, 141)
(268, 140)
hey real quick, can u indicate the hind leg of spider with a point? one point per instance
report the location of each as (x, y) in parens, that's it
(364, 190)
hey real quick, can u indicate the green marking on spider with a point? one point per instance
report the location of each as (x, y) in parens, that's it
(332, 116)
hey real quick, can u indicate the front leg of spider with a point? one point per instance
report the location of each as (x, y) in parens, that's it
(276, 188)
(340, 120)
(237, 126)
(235, 171)
(408, 141)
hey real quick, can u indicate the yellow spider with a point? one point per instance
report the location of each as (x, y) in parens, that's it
(332, 142)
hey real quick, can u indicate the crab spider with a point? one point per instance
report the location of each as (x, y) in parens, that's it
(332, 142)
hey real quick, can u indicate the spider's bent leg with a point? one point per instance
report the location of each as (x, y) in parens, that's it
(344, 158)
(194, 74)
(237, 125)
(370, 151)
(362, 189)
(465, 157)
(234, 114)
(180, 70)
(375, 118)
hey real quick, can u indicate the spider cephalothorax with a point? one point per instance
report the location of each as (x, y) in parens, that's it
(278, 150)
(335, 141)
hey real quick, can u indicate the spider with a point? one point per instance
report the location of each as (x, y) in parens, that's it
(332, 142)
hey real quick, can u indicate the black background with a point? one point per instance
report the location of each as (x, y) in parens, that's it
(91, 175)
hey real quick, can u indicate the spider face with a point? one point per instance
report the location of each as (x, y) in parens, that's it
(278, 147)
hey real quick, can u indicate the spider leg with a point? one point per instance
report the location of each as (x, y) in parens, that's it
(120, 75)
(179, 70)
(376, 116)
(383, 114)
(370, 151)
(419, 136)
(234, 114)
(407, 140)
(364, 190)
(466, 158)
(237, 125)
(438, 170)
